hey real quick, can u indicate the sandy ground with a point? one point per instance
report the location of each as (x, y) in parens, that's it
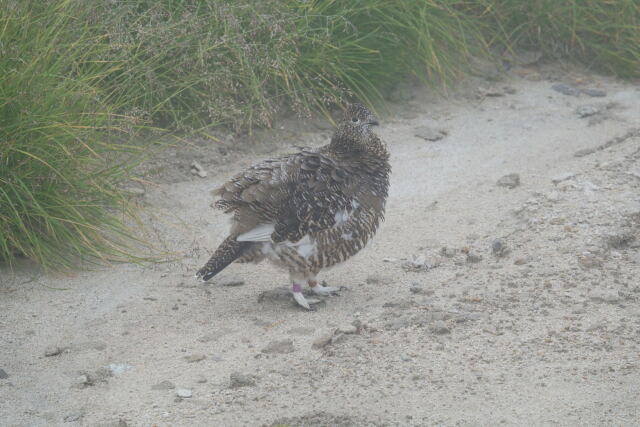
(476, 303)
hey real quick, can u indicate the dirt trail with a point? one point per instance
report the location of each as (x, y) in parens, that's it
(476, 303)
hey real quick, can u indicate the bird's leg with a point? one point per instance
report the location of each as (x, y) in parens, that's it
(296, 289)
(321, 290)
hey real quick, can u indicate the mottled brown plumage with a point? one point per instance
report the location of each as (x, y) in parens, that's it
(309, 210)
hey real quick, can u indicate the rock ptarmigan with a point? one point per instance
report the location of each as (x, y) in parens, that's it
(309, 210)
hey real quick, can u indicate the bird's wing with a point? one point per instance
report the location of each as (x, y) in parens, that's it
(289, 197)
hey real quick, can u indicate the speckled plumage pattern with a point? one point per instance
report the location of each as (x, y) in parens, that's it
(309, 210)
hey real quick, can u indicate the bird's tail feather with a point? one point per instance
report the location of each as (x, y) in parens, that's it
(227, 252)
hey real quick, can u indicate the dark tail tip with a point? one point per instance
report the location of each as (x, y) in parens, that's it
(227, 252)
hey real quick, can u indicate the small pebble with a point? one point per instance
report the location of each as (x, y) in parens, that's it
(195, 358)
(197, 169)
(184, 393)
(419, 290)
(584, 152)
(52, 350)
(404, 357)
(587, 111)
(595, 92)
(237, 380)
(511, 181)
(429, 134)
(76, 416)
(562, 177)
(440, 328)
(347, 329)
(119, 368)
(3, 374)
(566, 89)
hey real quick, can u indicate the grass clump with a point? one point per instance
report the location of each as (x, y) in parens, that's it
(57, 191)
(188, 64)
(76, 76)
(604, 34)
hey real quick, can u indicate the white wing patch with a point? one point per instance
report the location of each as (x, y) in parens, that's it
(261, 233)
(341, 217)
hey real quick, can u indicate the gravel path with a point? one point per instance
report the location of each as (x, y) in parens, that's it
(502, 289)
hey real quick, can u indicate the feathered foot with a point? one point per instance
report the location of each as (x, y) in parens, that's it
(296, 290)
(322, 290)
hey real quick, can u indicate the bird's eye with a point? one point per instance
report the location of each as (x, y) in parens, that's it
(355, 120)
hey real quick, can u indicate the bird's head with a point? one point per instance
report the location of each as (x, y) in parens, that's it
(355, 133)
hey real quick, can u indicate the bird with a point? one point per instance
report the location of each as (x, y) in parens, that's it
(309, 210)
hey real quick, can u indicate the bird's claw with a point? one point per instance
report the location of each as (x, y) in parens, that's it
(325, 290)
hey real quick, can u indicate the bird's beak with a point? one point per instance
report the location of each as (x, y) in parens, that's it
(373, 123)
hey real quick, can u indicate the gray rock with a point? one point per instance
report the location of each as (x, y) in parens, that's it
(184, 393)
(490, 92)
(499, 248)
(509, 181)
(88, 379)
(195, 358)
(53, 350)
(201, 379)
(605, 295)
(404, 357)
(562, 177)
(595, 92)
(279, 347)
(439, 328)
(197, 169)
(118, 368)
(420, 263)
(3, 374)
(419, 290)
(347, 329)
(322, 341)
(566, 89)
(587, 111)
(430, 134)
(163, 385)
(73, 417)
(237, 380)
(584, 152)
(399, 323)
